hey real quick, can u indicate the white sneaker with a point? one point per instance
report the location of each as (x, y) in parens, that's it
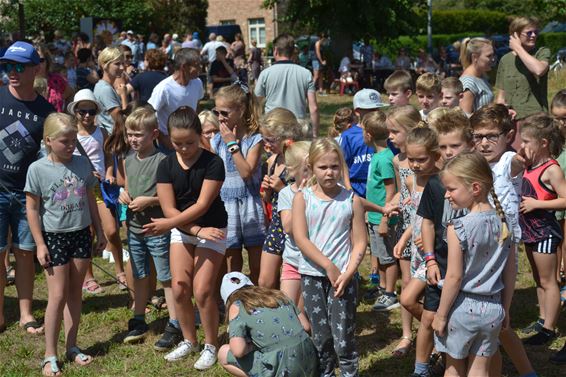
(182, 350)
(207, 357)
(106, 254)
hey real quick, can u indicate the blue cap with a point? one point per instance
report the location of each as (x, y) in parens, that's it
(21, 52)
(195, 34)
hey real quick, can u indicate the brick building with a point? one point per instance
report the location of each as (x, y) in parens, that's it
(256, 22)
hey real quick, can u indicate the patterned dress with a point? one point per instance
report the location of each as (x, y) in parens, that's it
(418, 266)
(407, 211)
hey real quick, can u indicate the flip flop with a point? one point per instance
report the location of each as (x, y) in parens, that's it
(52, 361)
(32, 325)
(72, 354)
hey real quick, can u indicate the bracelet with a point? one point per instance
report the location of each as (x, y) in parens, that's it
(429, 256)
(234, 148)
(198, 231)
(230, 143)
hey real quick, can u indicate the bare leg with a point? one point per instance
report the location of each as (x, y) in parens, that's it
(406, 316)
(168, 292)
(456, 367)
(254, 262)
(58, 280)
(112, 236)
(25, 276)
(391, 272)
(141, 295)
(410, 297)
(516, 352)
(546, 267)
(478, 365)
(73, 306)
(234, 260)
(425, 337)
(206, 266)
(269, 270)
(182, 266)
(536, 277)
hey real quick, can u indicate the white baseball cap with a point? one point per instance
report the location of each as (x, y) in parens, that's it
(368, 99)
(231, 282)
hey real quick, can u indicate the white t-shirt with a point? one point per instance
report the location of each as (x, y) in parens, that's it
(169, 95)
(508, 191)
(344, 65)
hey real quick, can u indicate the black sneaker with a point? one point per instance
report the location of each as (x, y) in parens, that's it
(560, 356)
(137, 330)
(542, 337)
(170, 338)
(533, 327)
(372, 294)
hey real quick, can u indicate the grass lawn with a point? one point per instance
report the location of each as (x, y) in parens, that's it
(104, 324)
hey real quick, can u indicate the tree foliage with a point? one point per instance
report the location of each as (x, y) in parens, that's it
(354, 18)
(140, 15)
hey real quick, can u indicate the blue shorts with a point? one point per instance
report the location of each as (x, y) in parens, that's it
(142, 248)
(246, 222)
(13, 216)
(316, 65)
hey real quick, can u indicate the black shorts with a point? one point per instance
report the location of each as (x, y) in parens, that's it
(431, 298)
(64, 246)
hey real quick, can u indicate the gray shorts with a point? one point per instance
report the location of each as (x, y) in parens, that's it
(382, 247)
(473, 326)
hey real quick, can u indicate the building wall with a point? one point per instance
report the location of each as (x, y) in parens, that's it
(243, 13)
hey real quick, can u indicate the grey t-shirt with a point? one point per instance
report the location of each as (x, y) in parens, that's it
(286, 85)
(109, 99)
(62, 189)
(142, 181)
(479, 87)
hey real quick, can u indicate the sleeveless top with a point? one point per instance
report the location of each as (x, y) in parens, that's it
(539, 224)
(94, 148)
(234, 186)
(329, 224)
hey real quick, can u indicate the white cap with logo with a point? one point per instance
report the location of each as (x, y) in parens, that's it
(368, 99)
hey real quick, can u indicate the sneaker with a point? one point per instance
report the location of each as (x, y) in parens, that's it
(535, 326)
(137, 331)
(542, 337)
(373, 294)
(207, 358)
(170, 337)
(183, 349)
(385, 303)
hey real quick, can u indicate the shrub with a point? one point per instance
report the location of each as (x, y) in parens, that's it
(466, 20)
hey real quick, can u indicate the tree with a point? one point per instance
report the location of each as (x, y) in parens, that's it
(142, 16)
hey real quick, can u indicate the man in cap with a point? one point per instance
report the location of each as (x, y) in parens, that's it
(356, 153)
(133, 44)
(22, 112)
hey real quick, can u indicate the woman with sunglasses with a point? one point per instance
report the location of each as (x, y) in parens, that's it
(91, 139)
(522, 74)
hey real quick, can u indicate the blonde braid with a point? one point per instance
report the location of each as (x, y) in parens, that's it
(504, 228)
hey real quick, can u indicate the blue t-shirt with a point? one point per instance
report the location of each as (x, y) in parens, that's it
(358, 156)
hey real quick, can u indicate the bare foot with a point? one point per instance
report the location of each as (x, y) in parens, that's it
(75, 355)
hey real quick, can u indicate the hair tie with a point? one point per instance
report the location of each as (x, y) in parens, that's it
(242, 86)
(287, 143)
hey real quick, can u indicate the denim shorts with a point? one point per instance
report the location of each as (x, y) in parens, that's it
(179, 237)
(382, 247)
(315, 65)
(13, 216)
(142, 248)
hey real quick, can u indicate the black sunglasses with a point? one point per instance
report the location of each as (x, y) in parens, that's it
(224, 114)
(19, 67)
(529, 34)
(91, 112)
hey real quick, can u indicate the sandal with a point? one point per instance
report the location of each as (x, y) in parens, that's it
(52, 361)
(72, 354)
(401, 351)
(122, 282)
(38, 327)
(91, 286)
(158, 302)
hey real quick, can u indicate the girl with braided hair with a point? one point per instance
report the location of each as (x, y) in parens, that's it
(474, 299)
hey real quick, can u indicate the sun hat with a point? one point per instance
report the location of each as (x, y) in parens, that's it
(368, 99)
(83, 95)
(231, 282)
(21, 52)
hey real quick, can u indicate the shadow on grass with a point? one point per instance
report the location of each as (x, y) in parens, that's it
(102, 303)
(12, 313)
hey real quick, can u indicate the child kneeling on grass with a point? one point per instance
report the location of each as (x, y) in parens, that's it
(266, 336)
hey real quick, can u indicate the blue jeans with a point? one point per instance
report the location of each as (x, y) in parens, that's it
(13, 216)
(142, 248)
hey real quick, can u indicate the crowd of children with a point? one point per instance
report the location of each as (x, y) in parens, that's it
(439, 196)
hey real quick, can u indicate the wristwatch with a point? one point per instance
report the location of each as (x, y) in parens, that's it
(233, 148)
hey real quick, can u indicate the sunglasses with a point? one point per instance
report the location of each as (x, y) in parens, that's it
(83, 112)
(225, 114)
(19, 67)
(531, 33)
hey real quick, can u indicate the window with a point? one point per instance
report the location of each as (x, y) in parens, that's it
(227, 22)
(257, 31)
